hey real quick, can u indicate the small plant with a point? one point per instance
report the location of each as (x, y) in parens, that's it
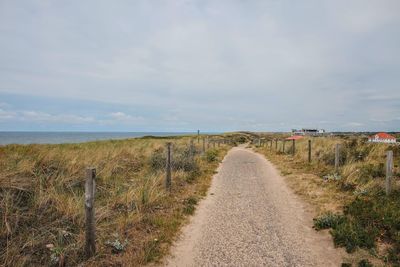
(365, 263)
(116, 245)
(185, 161)
(157, 159)
(211, 155)
(352, 235)
(190, 204)
(332, 177)
(360, 192)
(328, 220)
(57, 255)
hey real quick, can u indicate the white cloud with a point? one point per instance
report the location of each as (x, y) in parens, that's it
(203, 62)
(6, 115)
(36, 116)
(122, 116)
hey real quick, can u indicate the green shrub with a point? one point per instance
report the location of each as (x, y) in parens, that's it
(328, 220)
(182, 160)
(192, 176)
(328, 158)
(372, 170)
(211, 155)
(364, 220)
(241, 140)
(157, 159)
(365, 263)
(190, 204)
(352, 235)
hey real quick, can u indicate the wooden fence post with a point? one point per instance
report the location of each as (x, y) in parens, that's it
(198, 136)
(259, 142)
(389, 167)
(168, 168)
(90, 235)
(309, 151)
(270, 145)
(276, 144)
(283, 149)
(204, 145)
(293, 147)
(337, 157)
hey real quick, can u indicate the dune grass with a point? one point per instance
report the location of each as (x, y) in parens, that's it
(42, 200)
(368, 220)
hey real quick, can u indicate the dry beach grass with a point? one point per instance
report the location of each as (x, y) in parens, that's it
(42, 197)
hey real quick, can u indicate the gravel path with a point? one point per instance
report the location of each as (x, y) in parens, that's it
(251, 218)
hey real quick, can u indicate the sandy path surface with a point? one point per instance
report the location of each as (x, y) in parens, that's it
(251, 218)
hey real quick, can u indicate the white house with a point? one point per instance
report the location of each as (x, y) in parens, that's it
(308, 132)
(382, 138)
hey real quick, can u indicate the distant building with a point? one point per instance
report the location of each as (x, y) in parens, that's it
(308, 132)
(382, 138)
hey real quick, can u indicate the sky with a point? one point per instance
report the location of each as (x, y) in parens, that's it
(184, 65)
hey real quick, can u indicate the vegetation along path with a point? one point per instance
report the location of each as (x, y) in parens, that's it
(251, 218)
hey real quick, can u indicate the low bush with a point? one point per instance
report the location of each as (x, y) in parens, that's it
(211, 155)
(372, 170)
(365, 263)
(328, 220)
(185, 160)
(157, 159)
(365, 220)
(351, 235)
(190, 204)
(182, 159)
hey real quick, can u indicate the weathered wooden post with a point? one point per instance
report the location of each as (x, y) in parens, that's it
(309, 151)
(276, 144)
(270, 146)
(213, 141)
(293, 147)
(259, 142)
(198, 136)
(283, 148)
(90, 235)
(389, 167)
(208, 142)
(337, 157)
(204, 145)
(168, 168)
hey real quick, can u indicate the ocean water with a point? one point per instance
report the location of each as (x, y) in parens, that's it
(72, 137)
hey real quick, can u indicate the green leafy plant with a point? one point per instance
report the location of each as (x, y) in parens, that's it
(328, 220)
(365, 263)
(211, 155)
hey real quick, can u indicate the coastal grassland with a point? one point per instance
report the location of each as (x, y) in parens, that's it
(351, 202)
(42, 199)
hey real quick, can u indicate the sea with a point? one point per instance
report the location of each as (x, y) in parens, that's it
(74, 137)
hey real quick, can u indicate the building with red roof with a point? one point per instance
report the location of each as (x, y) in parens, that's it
(382, 138)
(294, 137)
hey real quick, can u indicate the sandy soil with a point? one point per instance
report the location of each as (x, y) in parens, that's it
(251, 218)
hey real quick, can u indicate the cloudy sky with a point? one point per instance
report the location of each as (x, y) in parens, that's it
(184, 65)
